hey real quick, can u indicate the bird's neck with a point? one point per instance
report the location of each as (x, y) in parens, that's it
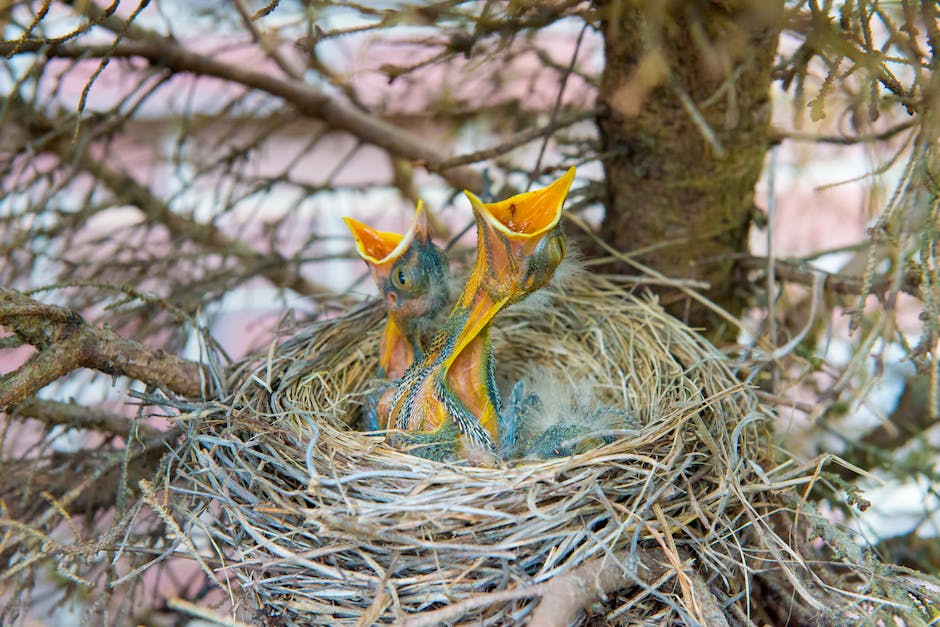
(396, 351)
(460, 356)
(477, 306)
(469, 379)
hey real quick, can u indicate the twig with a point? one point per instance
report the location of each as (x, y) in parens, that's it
(693, 294)
(307, 99)
(264, 44)
(191, 609)
(844, 140)
(558, 99)
(783, 401)
(79, 417)
(771, 256)
(783, 351)
(798, 272)
(696, 116)
(523, 137)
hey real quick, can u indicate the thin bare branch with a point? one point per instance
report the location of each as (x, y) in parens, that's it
(307, 99)
(76, 416)
(798, 272)
(845, 140)
(273, 266)
(520, 139)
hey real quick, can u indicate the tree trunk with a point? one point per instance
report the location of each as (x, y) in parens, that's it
(685, 127)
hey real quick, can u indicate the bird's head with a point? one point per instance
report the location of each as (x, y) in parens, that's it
(410, 270)
(520, 239)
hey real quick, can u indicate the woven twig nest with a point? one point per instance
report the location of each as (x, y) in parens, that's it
(314, 522)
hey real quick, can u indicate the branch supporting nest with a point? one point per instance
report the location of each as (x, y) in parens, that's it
(67, 342)
(567, 594)
(564, 596)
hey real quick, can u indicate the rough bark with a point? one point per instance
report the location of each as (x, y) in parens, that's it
(686, 125)
(66, 342)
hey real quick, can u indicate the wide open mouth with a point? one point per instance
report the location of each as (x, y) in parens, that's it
(381, 247)
(530, 214)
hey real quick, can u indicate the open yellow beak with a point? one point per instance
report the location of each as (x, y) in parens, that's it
(519, 241)
(529, 215)
(381, 248)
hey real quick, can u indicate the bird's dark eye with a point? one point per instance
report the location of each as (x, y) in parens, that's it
(401, 277)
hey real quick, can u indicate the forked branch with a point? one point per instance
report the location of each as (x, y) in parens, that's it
(67, 342)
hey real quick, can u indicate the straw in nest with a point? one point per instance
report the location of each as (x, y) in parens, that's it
(316, 523)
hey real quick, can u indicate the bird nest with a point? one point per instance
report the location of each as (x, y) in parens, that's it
(690, 517)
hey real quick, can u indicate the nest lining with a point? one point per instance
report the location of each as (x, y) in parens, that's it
(321, 524)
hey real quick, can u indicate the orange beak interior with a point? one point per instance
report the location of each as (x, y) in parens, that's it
(530, 214)
(376, 247)
(379, 248)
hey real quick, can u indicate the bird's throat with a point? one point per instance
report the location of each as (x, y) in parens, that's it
(396, 351)
(461, 357)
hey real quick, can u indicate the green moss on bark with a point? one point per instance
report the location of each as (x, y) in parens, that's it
(686, 127)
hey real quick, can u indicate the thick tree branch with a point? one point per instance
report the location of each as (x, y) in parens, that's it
(306, 99)
(65, 342)
(40, 370)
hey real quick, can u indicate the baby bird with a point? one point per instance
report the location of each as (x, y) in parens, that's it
(577, 433)
(412, 276)
(449, 400)
(560, 418)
